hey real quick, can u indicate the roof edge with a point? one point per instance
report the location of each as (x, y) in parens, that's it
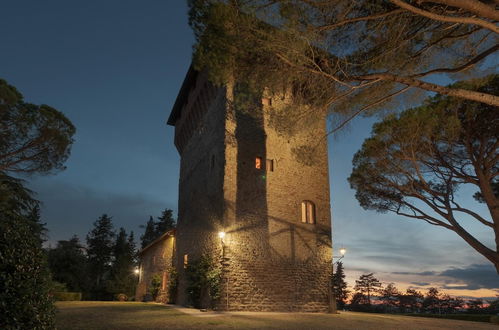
(182, 96)
(163, 236)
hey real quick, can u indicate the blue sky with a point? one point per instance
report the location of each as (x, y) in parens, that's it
(114, 68)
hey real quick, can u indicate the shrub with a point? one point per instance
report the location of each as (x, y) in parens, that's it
(25, 283)
(67, 296)
(172, 286)
(155, 286)
(203, 277)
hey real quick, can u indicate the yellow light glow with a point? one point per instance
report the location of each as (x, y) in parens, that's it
(136, 271)
(221, 234)
(343, 251)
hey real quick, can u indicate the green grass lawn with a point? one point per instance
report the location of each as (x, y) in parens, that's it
(130, 315)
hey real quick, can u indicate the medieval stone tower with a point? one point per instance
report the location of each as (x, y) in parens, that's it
(239, 176)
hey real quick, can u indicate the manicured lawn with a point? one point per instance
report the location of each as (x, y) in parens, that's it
(129, 315)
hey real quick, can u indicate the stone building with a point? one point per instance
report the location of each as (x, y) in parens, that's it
(266, 190)
(156, 260)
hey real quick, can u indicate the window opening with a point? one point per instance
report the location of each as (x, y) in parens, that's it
(258, 163)
(269, 165)
(307, 212)
(186, 260)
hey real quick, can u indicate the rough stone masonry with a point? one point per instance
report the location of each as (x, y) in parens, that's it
(266, 187)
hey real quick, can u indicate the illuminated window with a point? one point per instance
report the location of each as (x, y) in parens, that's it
(267, 101)
(186, 260)
(307, 212)
(258, 163)
(269, 165)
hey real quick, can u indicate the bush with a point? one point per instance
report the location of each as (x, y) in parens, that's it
(172, 286)
(25, 302)
(67, 296)
(155, 286)
(203, 277)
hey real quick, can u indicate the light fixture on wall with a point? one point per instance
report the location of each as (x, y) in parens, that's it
(221, 234)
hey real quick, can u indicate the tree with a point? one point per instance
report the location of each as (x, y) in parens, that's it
(122, 279)
(154, 229)
(348, 56)
(165, 222)
(432, 301)
(24, 278)
(33, 138)
(68, 263)
(367, 285)
(100, 244)
(340, 286)
(149, 234)
(475, 306)
(415, 163)
(411, 301)
(390, 296)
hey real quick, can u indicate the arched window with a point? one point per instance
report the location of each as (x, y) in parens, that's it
(307, 212)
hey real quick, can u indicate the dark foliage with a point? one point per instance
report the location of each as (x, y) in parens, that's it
(100, 244)
(33, 138)
(25, 302)
(68, 264)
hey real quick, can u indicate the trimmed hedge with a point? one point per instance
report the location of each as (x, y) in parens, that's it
(67, 296)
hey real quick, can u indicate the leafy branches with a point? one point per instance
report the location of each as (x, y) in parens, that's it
(414, 163)
(33, 139)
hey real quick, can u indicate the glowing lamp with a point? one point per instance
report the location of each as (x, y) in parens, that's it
(343, 251)
(136, 271)
(221, 234)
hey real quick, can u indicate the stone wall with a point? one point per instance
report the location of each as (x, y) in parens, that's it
(156, 259)
(270, 260)
(273, 261)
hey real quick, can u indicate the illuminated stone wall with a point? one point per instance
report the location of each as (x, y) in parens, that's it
(156, 259)
(271, 260)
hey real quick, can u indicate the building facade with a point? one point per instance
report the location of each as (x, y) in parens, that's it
(156, 260)
(265, 188)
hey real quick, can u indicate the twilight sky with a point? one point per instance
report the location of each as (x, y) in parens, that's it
(114, 68)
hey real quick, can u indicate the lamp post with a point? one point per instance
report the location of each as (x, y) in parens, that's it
(332, 297)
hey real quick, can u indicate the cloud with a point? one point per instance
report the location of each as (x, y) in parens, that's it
(426, 273)
(419, 284)
(473, 277)
(69, 209)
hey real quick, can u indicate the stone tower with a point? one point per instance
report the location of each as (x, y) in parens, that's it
(240, 176)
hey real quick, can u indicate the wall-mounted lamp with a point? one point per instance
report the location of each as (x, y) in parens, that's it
(221, 234)
(136, 271)
(343, 251)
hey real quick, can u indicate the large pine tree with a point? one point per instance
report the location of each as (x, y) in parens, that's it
(122, 279)
(165, 222)
(149, 233)
(100, 245)
(340, 286)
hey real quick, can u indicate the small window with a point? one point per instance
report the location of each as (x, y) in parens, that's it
(267, 101)
(186, 260)
(307, 212)
(269, 165)
(258, 163)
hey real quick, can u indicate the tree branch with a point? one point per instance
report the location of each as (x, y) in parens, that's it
(463, 20)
